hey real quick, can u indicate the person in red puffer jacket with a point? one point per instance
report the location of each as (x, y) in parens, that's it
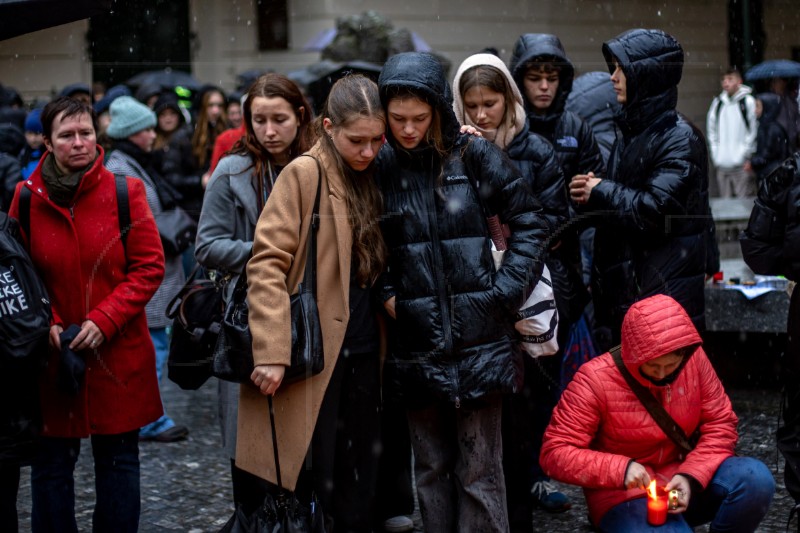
(602, 438)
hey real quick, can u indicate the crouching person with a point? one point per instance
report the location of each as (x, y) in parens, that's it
(602, 438)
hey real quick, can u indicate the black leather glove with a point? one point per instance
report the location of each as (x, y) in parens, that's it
(72, 366)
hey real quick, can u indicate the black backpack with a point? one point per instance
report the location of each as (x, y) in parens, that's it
(25, 313)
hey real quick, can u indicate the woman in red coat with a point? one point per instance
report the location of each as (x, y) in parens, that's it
(602, 438)
(99, 283)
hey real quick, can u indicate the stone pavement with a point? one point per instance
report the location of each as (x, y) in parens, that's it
(186, 485)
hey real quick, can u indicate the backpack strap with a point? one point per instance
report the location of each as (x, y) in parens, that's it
(742, 110)
(656, 410)
(25, 210)
(123, 207)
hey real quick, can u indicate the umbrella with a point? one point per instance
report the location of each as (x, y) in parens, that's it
(318, 42)
(166, 78)
(320, 77)
(773, 68)
(24, 16)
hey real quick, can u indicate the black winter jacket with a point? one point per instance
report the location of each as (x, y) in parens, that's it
(653, 230)
(771, 246)
(12, 141)
(772, 141)
(455, 337)
(535, 158)
(572, 138)
(177, 165)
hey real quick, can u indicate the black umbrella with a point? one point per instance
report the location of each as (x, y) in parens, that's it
(317, 79)
(24, 16)
(773, 68)
(166, 78)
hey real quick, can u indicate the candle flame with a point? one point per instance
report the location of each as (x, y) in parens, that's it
(651, 490)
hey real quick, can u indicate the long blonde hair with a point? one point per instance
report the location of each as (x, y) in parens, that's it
(351, 98)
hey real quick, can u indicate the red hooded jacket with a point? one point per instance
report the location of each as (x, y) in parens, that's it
(599, 425)
(90, 275)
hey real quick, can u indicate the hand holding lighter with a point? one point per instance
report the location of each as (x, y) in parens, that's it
(673, 499)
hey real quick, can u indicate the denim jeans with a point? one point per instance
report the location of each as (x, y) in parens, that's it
(459, 467)
(736, 499)
(116, 473)
(160, 339)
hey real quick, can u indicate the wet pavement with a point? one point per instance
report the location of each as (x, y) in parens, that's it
(186, 485)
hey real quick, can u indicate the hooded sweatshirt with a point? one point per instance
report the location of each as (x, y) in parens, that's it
(732, 139)
(599, 426)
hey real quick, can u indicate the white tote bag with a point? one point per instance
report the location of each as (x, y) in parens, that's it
(537, 319)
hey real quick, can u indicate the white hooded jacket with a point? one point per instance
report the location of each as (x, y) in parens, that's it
(732, 140)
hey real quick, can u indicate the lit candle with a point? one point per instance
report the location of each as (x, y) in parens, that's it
(656, 506)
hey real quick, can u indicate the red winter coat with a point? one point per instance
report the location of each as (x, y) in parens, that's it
(90, 275)
(600, 426)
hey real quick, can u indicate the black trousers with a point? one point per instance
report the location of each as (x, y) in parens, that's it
(395, 494)
(342, 462)
(9, 486)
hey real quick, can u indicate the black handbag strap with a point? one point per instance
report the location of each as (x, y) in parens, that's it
(656, 410)
(275, 443)
(310, 275)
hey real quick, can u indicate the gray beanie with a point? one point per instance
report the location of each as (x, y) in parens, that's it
(129, 117)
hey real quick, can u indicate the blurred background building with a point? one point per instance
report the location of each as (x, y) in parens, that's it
(216, 40)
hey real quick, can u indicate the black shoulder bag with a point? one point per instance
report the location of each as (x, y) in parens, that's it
(656, 410)
(233, 354)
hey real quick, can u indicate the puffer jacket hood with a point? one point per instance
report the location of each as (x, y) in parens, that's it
(654, 327)
(652, 61)
(421, 73)
(531, 46)
(12, 140)
(770, 107)
(594, 100)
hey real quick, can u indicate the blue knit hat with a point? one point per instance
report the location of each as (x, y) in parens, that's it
(129, 117)
(33, 122)
(102, 105)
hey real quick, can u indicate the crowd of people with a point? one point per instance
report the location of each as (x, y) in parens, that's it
(597, 180)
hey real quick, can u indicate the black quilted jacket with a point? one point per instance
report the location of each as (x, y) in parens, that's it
(455, 314)
(654, 226)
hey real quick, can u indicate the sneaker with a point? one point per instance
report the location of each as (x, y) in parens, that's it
(397, 524)
(545, 496)
(173, 434)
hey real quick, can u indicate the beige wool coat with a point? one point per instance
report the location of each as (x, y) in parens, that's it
(273, 273)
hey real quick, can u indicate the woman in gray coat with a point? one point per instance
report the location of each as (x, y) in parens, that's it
(276, 121)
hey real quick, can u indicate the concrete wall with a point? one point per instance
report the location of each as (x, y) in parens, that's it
(38, 64)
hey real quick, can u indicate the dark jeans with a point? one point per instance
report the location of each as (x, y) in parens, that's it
(342, 462)
(736, 500)
(116, 473)
(9, 486)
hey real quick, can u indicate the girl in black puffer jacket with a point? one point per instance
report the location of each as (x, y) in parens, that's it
(454, 352)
